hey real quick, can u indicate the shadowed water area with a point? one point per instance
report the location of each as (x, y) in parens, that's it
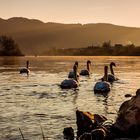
(27, 102)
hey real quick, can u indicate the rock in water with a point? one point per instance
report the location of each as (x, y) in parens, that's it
(68, 133)
(128, 120)
(86, 122)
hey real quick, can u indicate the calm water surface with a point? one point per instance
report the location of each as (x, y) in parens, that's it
(28, 102)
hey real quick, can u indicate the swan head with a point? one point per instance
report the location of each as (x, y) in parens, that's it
(76, 63)
(112, 64)
(88, 62)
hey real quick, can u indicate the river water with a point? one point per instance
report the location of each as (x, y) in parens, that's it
(28, 102)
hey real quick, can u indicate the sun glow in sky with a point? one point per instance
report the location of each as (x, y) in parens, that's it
(120, 12)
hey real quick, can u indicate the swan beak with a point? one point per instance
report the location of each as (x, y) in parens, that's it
(113, 64)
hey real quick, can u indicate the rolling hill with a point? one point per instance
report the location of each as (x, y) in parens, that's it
(35, 37)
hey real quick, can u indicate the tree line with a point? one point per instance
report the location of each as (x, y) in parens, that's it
(8, 47)
(106, 49)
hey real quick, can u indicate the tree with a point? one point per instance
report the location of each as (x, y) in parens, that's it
(107, 44)
(8, 47)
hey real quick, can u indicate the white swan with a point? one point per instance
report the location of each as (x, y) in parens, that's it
(26, 69)
(103, 86)
(70, 83)
(86, 71)
(111, 77)
(71, 73)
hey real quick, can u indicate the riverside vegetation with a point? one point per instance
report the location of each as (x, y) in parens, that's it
(8, 47)
(105, 50)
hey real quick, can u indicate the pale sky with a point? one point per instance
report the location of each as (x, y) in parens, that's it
(120, 12)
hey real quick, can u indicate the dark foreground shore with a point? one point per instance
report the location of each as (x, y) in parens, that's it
(98, 127)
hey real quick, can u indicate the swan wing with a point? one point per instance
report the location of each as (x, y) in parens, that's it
(102, 86)
(70, 83)
(71, 74)
(84, 72)
(24, 70)
(111, 78)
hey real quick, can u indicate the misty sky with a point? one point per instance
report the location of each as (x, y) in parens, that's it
(120, 12)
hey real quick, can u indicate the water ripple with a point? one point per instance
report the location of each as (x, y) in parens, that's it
(27, 102)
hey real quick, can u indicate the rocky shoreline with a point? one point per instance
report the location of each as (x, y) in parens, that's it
(97, 127)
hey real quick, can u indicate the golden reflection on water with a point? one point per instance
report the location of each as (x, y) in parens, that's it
(26, 102)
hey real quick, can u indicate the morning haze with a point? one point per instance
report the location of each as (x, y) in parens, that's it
(40, 25)
(36, 37)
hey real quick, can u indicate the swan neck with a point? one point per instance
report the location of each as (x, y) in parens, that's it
(27, 65)
(88, 67)
(76, 63)
(106, 74)
(75, 75)
(111, 69)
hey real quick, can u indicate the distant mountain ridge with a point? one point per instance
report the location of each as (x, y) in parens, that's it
(35, 36)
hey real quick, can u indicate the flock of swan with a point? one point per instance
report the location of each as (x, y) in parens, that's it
(102, 86)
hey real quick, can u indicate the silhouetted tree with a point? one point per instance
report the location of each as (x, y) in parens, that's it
(107, 44)
(8, 47)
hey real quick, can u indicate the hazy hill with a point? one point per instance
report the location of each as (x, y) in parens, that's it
(35, 37)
